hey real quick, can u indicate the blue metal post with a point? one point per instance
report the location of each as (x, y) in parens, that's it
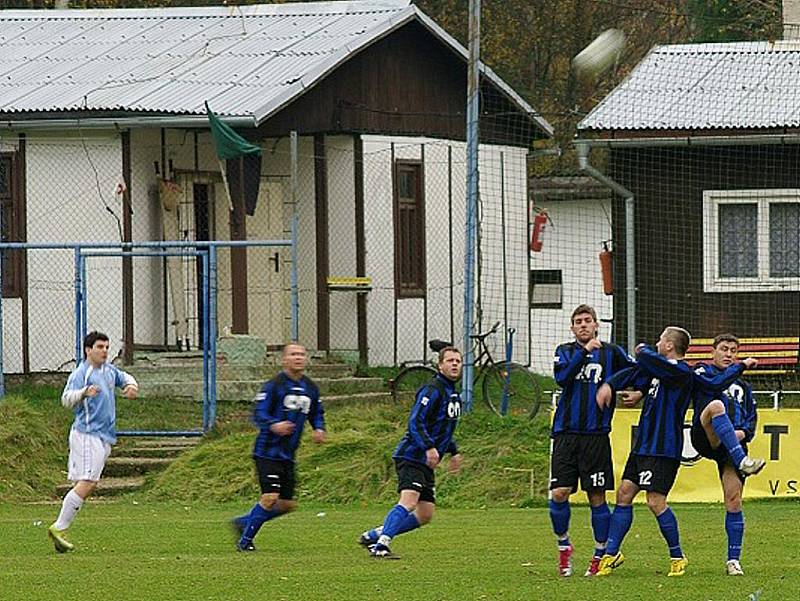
(78, 307)
(84, 300)
(2, 366)
(295, 294)
(473, 89)
(206, 375)
(212, 335)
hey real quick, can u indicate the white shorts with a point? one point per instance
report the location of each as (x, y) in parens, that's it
(87, 456)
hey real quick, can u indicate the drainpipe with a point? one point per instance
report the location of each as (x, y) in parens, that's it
(630, 254)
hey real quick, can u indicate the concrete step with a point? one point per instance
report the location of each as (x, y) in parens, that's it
(371, 397)
(157, 441)
(165, 451)
(108, 487)
(194, 372)
(244, 390)
(135, 466)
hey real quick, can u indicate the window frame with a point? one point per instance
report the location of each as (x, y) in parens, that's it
(407, 289)
(763, 282)
(532, 285)
(12, 284)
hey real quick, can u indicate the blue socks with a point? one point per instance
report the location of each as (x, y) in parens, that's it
(621, 521)
(669, 530)
(254, 520)
(601, 520)
(393, 523)
(734, 526)
(559, 516)
(724, 429)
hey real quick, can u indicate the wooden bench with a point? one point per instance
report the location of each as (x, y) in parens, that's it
(776, 356)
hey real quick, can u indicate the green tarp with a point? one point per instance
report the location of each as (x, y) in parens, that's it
(228, 143)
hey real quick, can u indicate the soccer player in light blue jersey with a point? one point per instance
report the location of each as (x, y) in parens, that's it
(282, 408)
(90, 393)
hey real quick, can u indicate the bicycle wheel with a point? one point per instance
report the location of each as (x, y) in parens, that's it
(523, 393)
(409, 381)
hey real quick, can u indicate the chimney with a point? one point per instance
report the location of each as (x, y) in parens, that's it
(791, 19)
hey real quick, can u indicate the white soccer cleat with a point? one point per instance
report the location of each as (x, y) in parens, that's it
(734, 568)
(750, 467)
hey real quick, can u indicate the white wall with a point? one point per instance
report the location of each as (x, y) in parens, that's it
(342, 239)
(411, 332)
(572, 246)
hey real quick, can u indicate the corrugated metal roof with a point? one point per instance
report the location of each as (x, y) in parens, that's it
(743, 85)
(247, 61)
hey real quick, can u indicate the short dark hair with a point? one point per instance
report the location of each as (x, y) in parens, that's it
(445, 350)
(680, 338)
(91, 338)
(724, 338)
(583, 309)
(286, 346)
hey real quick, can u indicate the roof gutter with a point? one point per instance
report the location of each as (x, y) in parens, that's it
(191, 121)
(739, 139)
(630, 255)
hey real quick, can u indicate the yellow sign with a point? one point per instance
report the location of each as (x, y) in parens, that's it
(777, 440)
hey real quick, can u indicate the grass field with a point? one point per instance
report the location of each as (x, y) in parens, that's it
(135, 550)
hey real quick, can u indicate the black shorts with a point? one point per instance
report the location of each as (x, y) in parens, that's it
(415, 476)
(650, 473)
(276, 477)
(584, 457)
(703, 446)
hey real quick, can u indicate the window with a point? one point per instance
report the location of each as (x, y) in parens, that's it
(751, 240)
(545, 289)
(409, 230)
(10, 213)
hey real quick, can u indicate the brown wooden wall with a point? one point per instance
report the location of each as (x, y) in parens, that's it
(668, 185)
(406, 83)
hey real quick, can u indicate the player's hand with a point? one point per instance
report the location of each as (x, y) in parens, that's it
(91, 390)
(593, 344)
(604, 396)
(130, 391)
(750, 362)
(630, 398)
(432, 458)
(284, 428)
(318, 436)
(455, 464)
(739, 434)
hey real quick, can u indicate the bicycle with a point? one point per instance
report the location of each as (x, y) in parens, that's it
(523, 394)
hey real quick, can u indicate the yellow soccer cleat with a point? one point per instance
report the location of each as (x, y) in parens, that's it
(61, 544)
(677, 567)
(609, 563)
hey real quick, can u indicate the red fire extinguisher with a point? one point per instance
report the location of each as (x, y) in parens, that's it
(606, 269)
(539, 223)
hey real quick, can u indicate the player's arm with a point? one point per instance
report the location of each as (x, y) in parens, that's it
(456, 458)
(265, 413)
(715, 383)
(620, 380)
(675, 372)
(622, 360)
(567, 364)
(128, 384)
(74, 391)
(316, 416)
(427, 399)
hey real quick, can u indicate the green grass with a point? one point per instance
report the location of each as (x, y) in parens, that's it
(135, 549)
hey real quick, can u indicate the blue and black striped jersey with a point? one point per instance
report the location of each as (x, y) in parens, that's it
(580, 374)
(432, 422)
(668, 384)
(713, 383)
(284, 399)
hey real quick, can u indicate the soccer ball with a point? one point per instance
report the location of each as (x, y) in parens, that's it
(598, 56)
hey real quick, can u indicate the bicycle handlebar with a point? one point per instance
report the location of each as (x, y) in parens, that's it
(488, 332)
